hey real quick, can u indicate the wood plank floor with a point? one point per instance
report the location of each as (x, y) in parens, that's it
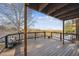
(51, 47)
(44, 47)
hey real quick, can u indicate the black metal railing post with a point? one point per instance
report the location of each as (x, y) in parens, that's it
(35, 35)
(60, 36)
(44, 35)
(19, 36)
(51, 34)
(6, 41)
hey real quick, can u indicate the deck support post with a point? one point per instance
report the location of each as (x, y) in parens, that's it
(77, 29)
(25, 29)
(63, 32)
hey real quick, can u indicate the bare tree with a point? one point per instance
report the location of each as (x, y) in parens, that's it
(15, 14)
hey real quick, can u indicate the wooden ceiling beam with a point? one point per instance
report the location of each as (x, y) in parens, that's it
(70, 17)
(34, 6)
(67, 11)
(70, 13)
(59, 10)
(42, 6)
(56, 7)
(75, 7)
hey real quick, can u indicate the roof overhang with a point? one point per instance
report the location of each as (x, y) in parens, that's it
(63, 11)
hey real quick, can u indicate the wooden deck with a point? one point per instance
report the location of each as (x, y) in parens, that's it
(44, 47)
(51, 47)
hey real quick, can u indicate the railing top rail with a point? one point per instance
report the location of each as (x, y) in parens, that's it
(2, 37)
(39, 32)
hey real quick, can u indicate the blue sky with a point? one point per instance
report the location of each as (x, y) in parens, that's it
(42, 21)
(45, 22)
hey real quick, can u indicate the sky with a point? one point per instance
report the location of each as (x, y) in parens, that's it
(43, 21)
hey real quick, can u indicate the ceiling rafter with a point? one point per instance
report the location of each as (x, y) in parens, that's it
(68, 10)
(59, 10)
(69, 13)
(70, 17)
(57, 7)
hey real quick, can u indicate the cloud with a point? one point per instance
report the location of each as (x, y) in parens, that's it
(40, 17)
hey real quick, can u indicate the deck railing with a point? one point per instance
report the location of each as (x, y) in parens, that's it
(34, 35)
